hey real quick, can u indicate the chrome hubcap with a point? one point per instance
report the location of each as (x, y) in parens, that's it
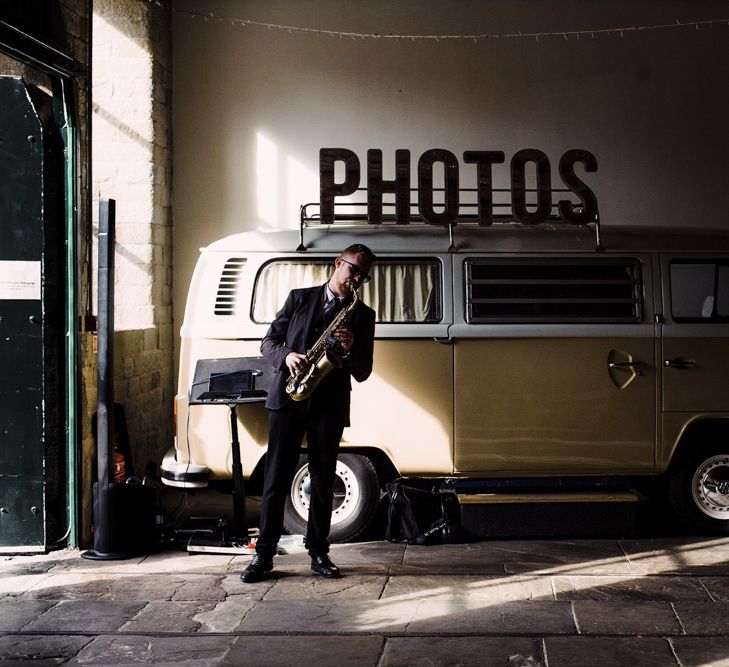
(710, 487)
(346, 493)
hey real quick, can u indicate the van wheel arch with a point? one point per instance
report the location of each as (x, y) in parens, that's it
(694, 479)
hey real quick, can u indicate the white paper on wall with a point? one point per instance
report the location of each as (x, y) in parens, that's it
(20, 280)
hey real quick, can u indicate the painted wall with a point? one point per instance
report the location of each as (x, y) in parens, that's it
(252, 106)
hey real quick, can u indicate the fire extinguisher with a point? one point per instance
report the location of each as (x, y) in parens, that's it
(121, 458)
(120, 464)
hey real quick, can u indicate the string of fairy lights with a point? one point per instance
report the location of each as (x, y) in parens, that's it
(589, 33)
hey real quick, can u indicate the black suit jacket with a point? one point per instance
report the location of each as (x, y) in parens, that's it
(293, 331)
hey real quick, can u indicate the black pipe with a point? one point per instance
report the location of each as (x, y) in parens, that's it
(103, 523)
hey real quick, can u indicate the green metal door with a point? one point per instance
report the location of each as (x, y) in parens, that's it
(22, 446)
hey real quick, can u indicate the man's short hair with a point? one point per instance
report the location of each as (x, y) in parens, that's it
(360, 249)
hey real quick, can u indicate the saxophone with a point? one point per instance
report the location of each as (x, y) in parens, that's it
(322, 357)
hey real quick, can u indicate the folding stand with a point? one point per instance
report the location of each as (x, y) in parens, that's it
(230, 388)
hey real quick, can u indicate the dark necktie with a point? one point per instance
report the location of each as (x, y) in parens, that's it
(331, 308)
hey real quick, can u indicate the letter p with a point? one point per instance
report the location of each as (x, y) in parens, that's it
(328, 188)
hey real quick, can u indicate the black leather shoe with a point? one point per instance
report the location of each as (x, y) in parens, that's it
(257, 570)
(321, 564)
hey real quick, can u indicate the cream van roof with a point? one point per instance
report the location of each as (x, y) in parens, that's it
(510, 238)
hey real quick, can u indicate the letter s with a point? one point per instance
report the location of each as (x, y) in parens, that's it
(585, 212)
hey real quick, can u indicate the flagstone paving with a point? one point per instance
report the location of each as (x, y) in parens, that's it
(511, 603)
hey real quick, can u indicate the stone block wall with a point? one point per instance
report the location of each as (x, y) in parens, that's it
(132, 163)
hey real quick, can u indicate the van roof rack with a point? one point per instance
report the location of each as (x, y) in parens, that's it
(353, 214)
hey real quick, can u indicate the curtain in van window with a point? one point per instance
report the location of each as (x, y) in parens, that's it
(278, 279)
(398, 291)
(401, 292)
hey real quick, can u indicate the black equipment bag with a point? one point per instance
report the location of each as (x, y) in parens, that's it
(420, 514)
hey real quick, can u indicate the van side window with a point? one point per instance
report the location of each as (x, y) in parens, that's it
(560, 290)
(401, 290)
(700, 291)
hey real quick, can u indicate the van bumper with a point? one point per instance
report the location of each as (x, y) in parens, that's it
(183, 475)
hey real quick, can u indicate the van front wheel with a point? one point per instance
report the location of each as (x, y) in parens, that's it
(356, 494)
(698, 490)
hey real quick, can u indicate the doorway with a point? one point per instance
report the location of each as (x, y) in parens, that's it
(34, 507)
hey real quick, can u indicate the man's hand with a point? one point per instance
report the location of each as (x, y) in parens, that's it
(345, 338)
(296, 362)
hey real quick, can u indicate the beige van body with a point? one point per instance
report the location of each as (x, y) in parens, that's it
(503, 352)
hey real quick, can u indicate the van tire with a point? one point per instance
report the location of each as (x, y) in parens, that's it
(700, 507)
(356, 496)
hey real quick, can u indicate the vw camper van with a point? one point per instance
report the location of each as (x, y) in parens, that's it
(539, 354)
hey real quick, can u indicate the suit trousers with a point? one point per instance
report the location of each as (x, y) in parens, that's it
(323, 426)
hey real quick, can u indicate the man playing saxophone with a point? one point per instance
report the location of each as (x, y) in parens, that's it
(310, 324)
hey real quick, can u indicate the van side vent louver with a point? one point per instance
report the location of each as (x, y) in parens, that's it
(533, 290)
(227, 296)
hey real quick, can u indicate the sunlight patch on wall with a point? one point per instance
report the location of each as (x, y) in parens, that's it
(283, 184)
(125, 165)
(302, 187)
(267, 189)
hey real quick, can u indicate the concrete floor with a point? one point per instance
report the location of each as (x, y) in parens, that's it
(516, 603)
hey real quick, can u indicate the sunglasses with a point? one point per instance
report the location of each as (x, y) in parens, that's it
(356, 271)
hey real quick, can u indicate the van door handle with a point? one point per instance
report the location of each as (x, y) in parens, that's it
(679, 363)
(635, 365)
(444, 340)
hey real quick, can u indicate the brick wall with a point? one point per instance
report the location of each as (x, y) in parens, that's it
(132, 163)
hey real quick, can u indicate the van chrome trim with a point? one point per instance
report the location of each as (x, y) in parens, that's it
(636, 365)
(183, 475)
(556, 497)
(679, 363)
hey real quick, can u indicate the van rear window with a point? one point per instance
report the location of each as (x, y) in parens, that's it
(401, 290)
(541, 290)
(700, 291)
